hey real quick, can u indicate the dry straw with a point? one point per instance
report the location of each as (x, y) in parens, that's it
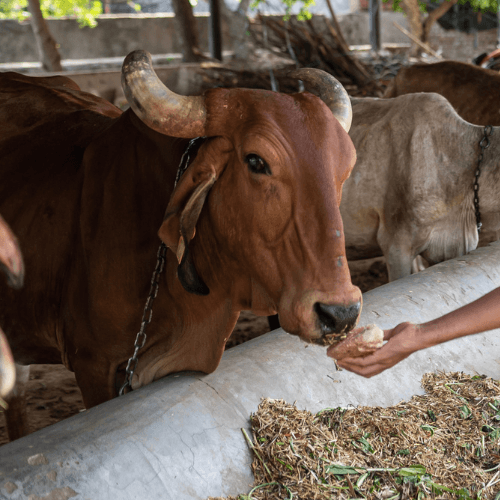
(443, 445)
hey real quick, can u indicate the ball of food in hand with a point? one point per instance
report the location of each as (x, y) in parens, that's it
(359, 342)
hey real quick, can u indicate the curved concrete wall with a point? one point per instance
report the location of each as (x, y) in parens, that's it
(180, 437)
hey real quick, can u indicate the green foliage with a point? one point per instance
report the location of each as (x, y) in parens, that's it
(305, 5)
(85, 11)
(484, 5)
(14, 9)
(304, 12)
(477, 5)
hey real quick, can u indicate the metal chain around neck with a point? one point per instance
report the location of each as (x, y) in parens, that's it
(161, 256)
(484, 144)
(147, 315)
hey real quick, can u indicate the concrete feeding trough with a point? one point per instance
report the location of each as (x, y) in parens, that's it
(180, 437)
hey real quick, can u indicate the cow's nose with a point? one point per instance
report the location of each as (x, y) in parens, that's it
(337, 318)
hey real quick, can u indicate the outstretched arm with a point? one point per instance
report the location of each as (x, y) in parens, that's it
(407, 338)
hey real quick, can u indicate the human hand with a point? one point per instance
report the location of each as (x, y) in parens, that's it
(402, 341)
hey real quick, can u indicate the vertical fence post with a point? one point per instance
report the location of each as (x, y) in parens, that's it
(214, 38)
(375, 25)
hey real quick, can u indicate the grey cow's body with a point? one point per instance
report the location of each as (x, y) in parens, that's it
(411, 190)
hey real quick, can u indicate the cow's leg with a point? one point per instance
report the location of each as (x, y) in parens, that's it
(95, 380)
(399, 263)
(274, 322)
(398, 252)
(16, 415)
(418, 264)
(398, 256)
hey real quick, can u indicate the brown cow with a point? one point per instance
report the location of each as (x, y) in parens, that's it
(254, 221)
(473, 91)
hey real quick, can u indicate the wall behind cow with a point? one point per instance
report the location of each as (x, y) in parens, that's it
(115, 36)
(118, 34)
(462, 46)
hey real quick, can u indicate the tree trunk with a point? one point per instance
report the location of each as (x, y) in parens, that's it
(188, 31)
(420, 27)
(47, 47)
(237, 27)
(412, 10)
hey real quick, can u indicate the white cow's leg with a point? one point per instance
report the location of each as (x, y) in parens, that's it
(399, 262)
(16, 415)
(418, 264)
(397, 251)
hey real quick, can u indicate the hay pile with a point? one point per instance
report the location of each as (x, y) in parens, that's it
(444, 444)
(316, 43)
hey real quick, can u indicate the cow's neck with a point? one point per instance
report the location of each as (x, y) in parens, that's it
(187, 332)
(489, 182)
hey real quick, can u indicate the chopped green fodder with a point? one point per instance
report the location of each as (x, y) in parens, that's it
(443, 445)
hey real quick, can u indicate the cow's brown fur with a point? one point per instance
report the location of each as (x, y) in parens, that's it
(85, 188)
(473, 91)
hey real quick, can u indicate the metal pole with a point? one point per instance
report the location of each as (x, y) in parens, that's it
(214, 31)
(498, 24)
(375, 25)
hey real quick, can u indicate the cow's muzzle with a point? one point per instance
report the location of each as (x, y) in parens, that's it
(337, 318)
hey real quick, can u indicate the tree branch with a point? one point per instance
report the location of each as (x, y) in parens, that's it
(433, 16)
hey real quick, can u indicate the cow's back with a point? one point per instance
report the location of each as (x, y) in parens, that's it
(45, 126)
(473, 91)
(395, 178)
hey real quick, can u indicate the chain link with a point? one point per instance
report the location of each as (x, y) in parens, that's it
(161, 256)
(484, 144)
(147, 315)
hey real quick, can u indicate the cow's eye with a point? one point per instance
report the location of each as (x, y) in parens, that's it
(257, 165)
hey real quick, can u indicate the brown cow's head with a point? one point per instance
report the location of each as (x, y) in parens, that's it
(274, 166)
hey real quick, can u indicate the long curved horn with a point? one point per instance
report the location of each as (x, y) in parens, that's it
(331, 92)
(157, 106)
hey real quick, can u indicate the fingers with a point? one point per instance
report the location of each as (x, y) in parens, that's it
(389, 334)
(401, 328)
(401, 343)
(362, 366)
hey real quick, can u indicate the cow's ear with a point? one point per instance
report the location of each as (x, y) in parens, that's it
(187, 200)
(186, 204)
(188, 197)
(179, 226)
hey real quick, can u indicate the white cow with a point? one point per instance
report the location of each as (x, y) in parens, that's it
(411, 190)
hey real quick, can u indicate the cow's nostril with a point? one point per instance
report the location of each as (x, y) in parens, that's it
(337, 318)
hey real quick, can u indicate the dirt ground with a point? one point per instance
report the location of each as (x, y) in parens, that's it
(52, 392)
